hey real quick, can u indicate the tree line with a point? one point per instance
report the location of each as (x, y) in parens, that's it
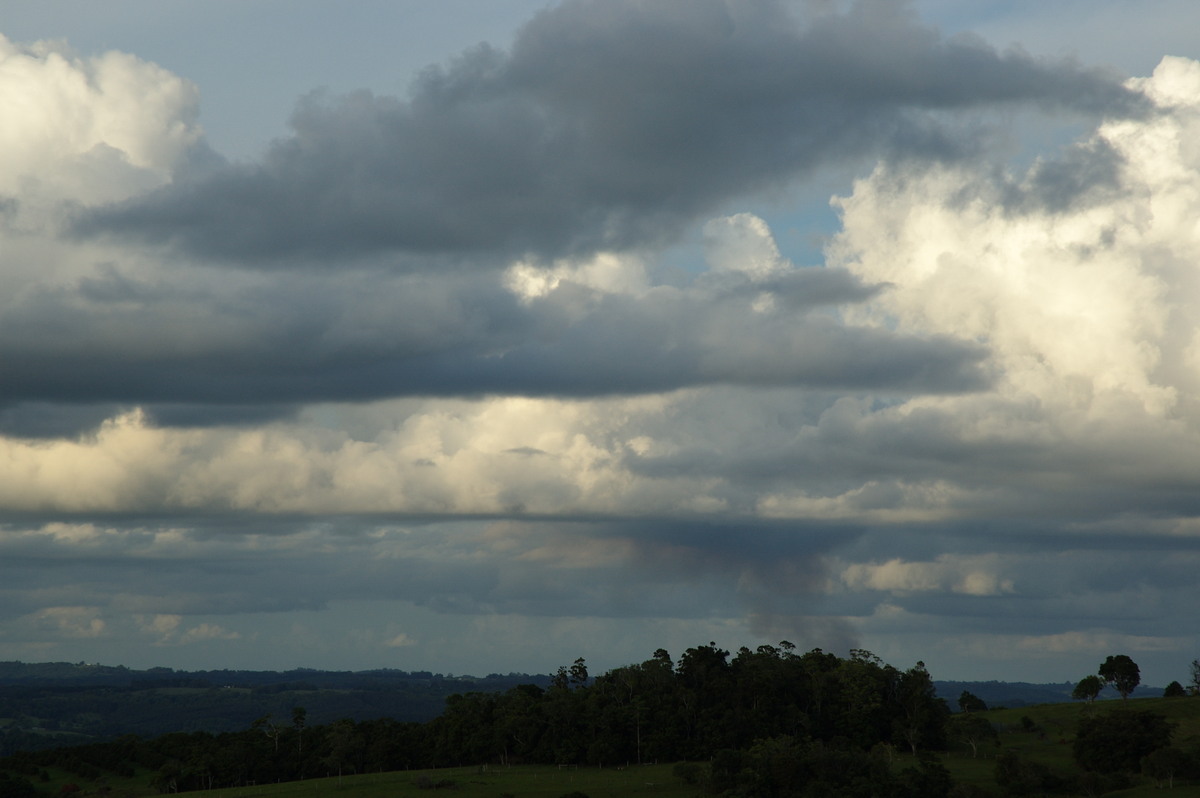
(706, 703)
(760, 723)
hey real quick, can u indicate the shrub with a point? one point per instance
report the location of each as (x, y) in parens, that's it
(1020, 777)
(690, 773)
(1118, 741)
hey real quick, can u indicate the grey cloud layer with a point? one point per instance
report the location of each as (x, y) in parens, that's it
(610, 125)
(368, 335)
(602, 569)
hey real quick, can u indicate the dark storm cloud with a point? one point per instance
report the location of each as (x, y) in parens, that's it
(609, 125)
(215, 359)
(37, 419)
(536, 569)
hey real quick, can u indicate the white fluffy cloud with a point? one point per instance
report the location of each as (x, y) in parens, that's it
(508, 455)
(1084, 293)
(1087, 307)
(89, 129)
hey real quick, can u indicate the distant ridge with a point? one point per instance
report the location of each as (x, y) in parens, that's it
(1023, 694)
(89, 674)
(79, 674)
(47, 704)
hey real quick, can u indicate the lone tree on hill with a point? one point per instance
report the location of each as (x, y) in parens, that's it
(1122, 673)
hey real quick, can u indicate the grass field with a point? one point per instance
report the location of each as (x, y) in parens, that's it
(1050, 738)
(474, 782)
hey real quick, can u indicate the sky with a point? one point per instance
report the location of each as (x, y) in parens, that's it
(478, 337)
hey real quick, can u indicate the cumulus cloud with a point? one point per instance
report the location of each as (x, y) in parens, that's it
(609, 125)
(974, 576)
(71, 621)
(89, 129)
(1085, 309)
(401, 640)
(161, 625)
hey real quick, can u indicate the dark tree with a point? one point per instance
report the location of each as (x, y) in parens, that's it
(973, 730)
(1088, 688)
(1122, 673)
(1117, 741)
(17, 787)
(1018, 776)
(578, 673)
(921, 721)
(969, 702)
(1164, 765)
(299, 717)
(1174, 690)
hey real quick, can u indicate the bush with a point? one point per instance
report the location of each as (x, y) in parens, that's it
(1165, 765)
(691, 773)
(1118, 741)
(17, 787)
(1020, 777)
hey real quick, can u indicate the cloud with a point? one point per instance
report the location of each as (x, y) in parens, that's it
(609, 126)
(163, 626)
(247, 348)
(1097, 642)
(948, 573)
(89, 130)
(71, 621)
(401, 640)
(167, 628)
(520, 355)
(205, 632)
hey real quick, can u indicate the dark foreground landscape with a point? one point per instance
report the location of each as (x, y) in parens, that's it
(767, 722)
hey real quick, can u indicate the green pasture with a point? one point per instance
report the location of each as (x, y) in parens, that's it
(1049, 740)
(466, 782)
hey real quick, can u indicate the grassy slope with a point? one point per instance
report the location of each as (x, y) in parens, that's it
(1050, 741)
(653, 781)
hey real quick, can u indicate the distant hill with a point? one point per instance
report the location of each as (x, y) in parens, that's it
(48, 704)
(65, 674)
(1024, 694)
